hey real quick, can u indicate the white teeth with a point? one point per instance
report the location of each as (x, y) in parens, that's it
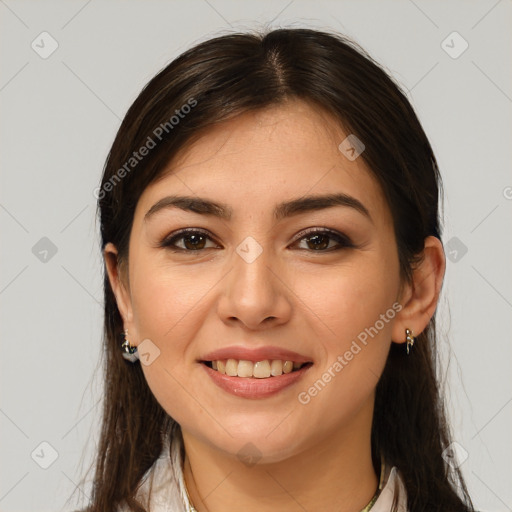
(276, 368)
(259, 370)
(232, 367)
(287, 367)
(245, 368)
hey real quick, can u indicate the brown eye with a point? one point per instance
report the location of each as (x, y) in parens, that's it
(194, 242)
(318, 242)
(188, 241)
(324, 241)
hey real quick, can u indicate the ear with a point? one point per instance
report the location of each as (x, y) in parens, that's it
(419, 297)
(118, 278)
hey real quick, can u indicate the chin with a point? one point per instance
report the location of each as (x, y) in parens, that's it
(258, 440)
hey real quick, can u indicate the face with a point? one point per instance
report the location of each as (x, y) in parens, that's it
(265, 275)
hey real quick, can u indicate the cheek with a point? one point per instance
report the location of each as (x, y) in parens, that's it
(352, 311)
(349, 300)
(169, 307)
(166, 317)
(166, 299)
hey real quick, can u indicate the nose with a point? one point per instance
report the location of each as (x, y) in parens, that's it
(255, 294)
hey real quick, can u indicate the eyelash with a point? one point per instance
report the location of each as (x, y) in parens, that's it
(343, 241)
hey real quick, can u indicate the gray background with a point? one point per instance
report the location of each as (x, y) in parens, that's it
(59, 117)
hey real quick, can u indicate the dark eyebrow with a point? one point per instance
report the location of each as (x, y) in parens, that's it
(313, 203)
(283, 210)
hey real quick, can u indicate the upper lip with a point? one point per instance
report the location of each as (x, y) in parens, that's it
(255, 354)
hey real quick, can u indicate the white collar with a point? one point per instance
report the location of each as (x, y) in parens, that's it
(169, 495)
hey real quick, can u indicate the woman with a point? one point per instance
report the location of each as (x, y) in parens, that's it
(269, 222)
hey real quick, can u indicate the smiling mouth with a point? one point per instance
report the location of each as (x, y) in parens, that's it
(259, 370)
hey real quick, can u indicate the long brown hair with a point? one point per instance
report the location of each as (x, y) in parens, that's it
(215, 81)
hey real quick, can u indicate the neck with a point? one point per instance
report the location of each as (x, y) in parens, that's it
(334, 473)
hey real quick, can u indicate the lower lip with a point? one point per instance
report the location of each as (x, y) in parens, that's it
(251, 387)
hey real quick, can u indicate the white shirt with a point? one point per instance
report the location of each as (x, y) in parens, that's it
(169, 495)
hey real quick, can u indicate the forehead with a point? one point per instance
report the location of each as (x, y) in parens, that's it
(262, 158)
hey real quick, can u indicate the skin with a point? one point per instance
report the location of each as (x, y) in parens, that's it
(315, 456)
